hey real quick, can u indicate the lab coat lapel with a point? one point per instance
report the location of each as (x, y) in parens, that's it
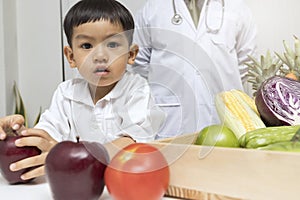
(183, 10)
(201, 24)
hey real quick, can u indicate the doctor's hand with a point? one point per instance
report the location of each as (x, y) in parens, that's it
(11, 123)
(42, 140)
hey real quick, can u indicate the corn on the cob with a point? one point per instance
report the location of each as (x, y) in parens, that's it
(238, 112)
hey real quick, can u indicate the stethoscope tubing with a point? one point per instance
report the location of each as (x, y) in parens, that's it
(177, 18)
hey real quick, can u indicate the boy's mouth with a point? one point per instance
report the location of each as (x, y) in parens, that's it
(101, 70)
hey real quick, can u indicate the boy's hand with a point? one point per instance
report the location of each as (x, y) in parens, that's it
(11, 123)
(42, 140)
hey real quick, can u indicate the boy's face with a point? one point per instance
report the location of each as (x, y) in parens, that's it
(100, 51)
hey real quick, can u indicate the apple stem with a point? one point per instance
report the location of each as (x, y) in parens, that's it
(77, 138)
(11, 132)
(15, 133)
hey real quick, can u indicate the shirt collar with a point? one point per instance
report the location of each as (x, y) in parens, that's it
(79, 91)
(118, 90)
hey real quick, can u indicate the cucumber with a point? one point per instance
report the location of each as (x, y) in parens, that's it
(266, 136)
(283, 146)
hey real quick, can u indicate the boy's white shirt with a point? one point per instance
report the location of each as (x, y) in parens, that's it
(129, 109)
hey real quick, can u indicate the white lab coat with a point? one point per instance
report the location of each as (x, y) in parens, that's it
(187, 66)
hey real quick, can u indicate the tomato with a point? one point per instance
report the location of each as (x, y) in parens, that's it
(138, 172)
(217, 135)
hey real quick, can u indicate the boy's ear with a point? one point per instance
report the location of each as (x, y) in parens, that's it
(133, 51)
(70, 56)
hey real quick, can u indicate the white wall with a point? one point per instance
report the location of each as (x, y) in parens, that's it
(39, 51)
(31, 54)
(2, 64)
(277, 20)
(133, 5)
(8, 55)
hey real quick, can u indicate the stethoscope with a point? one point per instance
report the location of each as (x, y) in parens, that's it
(177, 18)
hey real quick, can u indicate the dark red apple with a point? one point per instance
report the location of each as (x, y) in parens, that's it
(75, 170)
(10, 153)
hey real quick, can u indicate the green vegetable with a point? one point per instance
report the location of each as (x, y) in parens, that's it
(20, 107)
(291, 146)
(283, 146)
(266, 136)
(296, 137)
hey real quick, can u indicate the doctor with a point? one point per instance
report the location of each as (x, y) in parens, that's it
(190, 50)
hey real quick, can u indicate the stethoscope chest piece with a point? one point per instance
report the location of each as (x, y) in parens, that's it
(176, 19)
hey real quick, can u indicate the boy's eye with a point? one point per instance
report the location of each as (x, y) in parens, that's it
(113, 44)
(86, 46)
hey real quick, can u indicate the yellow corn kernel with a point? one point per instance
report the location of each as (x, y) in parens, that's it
(236, 108)
(246, 98)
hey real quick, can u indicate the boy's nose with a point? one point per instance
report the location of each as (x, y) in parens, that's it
(99, 55)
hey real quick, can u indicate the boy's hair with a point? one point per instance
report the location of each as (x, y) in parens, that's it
(93, 10)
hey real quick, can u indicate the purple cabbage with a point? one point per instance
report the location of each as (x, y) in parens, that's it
(278, 101)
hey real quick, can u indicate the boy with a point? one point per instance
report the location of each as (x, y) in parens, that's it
(106, 104)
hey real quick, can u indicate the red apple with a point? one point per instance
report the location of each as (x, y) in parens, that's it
(75, 170)
(10, 153)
